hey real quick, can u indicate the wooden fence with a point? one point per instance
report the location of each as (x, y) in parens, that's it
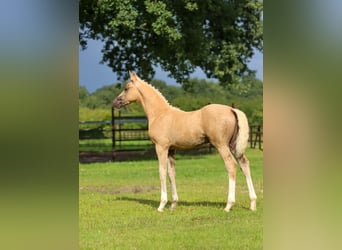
(131, 133)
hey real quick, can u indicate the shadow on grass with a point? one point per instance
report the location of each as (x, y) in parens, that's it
(155, 204)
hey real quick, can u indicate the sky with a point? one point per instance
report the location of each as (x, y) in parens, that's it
(94, 75)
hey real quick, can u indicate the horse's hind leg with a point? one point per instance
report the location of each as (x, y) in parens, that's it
(231, 164)
(172, 176)
(244, 164)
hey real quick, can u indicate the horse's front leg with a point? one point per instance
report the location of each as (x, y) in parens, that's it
(162, 154)
(172, 175)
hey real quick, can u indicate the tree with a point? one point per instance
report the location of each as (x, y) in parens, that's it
(217, 36)
(247, 95)
(247, 87)
(82, 92)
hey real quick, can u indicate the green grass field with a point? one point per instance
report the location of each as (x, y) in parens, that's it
(118, 206)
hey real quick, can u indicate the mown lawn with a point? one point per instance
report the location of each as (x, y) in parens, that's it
(118, 206)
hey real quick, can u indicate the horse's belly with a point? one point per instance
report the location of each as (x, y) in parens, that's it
(189, 141)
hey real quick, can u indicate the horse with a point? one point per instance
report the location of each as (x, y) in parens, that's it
(170, 128)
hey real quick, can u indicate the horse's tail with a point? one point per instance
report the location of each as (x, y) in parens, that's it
(241, 135)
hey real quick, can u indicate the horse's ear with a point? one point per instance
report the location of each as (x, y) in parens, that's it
(133, 76)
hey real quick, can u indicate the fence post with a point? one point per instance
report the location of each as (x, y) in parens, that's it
(120, 128)
(255, 137)
(113, 135)
(259, 136)
(251, 136)
(113, 130)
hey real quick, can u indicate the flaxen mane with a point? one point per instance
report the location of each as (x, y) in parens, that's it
(157, 92)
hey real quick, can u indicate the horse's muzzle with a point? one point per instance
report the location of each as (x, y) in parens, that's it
(117, 103)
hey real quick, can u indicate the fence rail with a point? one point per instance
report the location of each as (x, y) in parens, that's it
(124, 130)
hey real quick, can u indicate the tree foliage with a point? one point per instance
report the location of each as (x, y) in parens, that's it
(217, 36)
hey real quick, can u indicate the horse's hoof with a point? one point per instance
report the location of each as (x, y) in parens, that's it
(253, 206)
(229, 206)
(160, 210)
(173, 206)
(226, 210)
(252, 209)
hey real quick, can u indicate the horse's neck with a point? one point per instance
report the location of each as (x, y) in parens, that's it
(154, 104)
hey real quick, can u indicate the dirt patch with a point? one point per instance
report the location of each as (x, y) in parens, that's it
(90, 157)
(134, 155)
(119, 190)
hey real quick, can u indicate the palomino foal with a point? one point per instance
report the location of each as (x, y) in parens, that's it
(170, 128)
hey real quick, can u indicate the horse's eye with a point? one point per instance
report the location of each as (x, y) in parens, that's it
(126, 89)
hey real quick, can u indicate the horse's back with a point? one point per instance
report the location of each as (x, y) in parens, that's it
(215, 108)
(216, 112)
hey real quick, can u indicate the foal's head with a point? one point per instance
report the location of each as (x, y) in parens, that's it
(129, 94)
